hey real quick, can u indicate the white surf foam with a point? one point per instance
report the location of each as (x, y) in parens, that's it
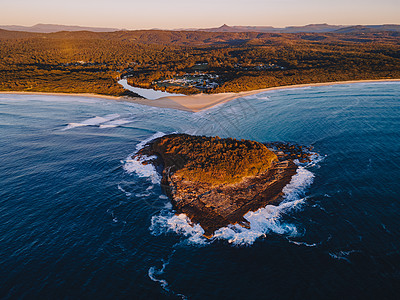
(315, 158)
(116, 123)
(168, 221)
(154, 273)
(299, 182)
(95, 121)
(136, 165)
(73, 125)
(99, 120)
(128, 194)
(302, 243)
(143, 195)
(153, 137)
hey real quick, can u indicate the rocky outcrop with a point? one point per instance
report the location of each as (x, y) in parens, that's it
(215, 182)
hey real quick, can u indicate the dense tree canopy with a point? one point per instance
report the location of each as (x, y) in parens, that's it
(213, 160)
(93, 62)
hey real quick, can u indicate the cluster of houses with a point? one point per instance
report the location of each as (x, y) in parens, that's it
(83, 63)
(258, 67)
(197, 80)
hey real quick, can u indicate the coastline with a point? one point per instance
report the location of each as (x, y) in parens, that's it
(198, 102)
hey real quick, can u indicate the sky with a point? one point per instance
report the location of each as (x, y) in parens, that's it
(172, 14)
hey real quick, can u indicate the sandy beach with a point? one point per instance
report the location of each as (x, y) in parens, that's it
(198, 102)
(90, 95)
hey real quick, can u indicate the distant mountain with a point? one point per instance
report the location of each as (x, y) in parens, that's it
(311, 28)
(226, 28)
(317, 28)
(369, 28)
(269, 29)
(50, 28)
(223, 28)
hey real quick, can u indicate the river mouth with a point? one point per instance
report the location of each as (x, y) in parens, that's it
(149, 94)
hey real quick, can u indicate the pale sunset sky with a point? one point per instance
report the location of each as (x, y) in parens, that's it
(171, 14)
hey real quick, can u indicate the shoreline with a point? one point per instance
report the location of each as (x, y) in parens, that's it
(198, 102)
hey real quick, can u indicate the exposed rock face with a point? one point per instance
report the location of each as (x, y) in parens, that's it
(215, 182)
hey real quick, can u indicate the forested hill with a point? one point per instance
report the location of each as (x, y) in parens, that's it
(196, 38)
(85, 61)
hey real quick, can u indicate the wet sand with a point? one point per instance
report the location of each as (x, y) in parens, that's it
(90, 95)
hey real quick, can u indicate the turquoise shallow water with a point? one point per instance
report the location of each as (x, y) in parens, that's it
(79, 221)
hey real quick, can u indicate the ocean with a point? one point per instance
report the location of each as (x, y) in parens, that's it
(81, 220)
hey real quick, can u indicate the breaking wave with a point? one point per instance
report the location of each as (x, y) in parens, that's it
(168, 221)
(136, 165)
(144, 142)
(107, 121)
(116, 123)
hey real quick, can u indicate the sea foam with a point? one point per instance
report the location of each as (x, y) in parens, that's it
(168, 221)
(136, 165)
(95, 121)
(107, 121)
(116, 123)
(155, 273)
(142, 170)
(153, 137)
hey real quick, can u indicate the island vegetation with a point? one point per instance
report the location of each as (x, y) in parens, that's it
(191, 62)
(213, 160)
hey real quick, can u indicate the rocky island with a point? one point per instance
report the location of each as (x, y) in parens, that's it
(216, 181)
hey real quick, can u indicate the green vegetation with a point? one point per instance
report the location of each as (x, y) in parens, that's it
(88, 62)
(213, 160)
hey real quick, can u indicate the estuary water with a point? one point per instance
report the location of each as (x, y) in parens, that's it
(81, 220)
(149, 94)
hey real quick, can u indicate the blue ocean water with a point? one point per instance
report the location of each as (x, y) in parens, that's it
(80, 220)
